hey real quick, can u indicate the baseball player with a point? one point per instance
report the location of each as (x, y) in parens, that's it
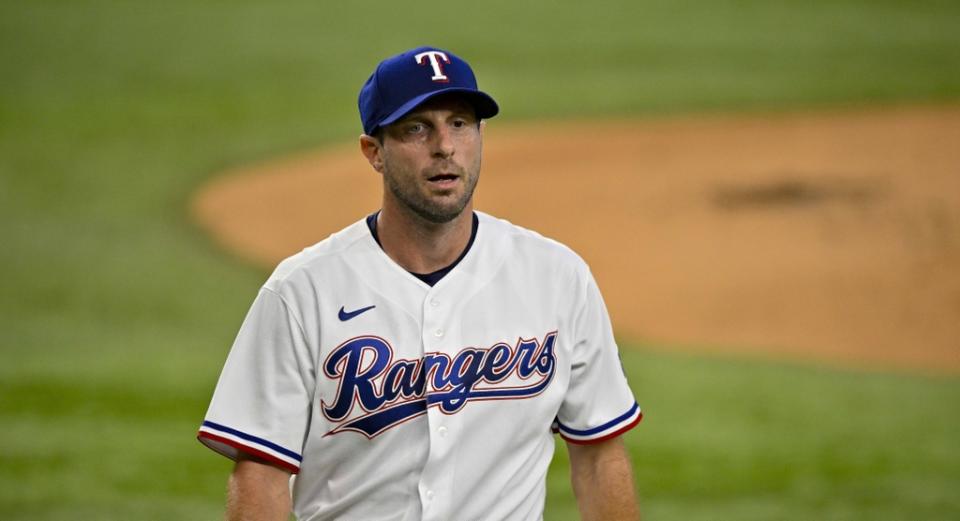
(416, 364)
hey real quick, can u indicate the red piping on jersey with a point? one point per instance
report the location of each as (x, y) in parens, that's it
(270, 458)
(613, 434)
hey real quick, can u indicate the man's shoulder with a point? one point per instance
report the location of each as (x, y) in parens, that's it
(321, 255)
(530, 244)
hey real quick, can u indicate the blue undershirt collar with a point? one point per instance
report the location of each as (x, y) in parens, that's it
(429, 278)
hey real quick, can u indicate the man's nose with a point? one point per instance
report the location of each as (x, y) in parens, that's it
(443, 142)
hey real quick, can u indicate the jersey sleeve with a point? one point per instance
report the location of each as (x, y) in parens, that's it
(599, 404)
(262, 402)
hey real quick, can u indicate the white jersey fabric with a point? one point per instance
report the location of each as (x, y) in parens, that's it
(394, 400)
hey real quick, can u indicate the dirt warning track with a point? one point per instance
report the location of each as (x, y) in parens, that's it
(830, 236)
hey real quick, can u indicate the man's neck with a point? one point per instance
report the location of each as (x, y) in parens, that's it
(421, 246)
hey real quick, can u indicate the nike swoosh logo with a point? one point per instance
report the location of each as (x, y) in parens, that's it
(347, 315)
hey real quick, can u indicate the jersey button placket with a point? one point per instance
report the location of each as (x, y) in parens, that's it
(434, 333)
(437, 471)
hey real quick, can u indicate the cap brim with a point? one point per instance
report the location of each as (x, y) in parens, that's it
(482, 103)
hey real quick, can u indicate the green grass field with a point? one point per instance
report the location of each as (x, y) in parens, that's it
(116, 312)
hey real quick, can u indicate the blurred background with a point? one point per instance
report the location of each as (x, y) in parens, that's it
(117, 310)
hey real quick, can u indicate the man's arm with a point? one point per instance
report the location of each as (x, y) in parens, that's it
(603, 481)
(258, 491)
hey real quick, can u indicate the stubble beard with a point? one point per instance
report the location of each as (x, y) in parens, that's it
(429, 209)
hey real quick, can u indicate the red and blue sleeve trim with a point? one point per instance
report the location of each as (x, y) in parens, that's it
(228, 441)
(606, 431)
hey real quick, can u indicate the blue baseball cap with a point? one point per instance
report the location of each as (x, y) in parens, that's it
(402, 82)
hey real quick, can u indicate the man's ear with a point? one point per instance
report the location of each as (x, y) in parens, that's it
(372, 149)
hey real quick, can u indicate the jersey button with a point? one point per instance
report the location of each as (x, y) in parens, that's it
(438, 333)
(434, 302)
(442, 431)
(429, 495)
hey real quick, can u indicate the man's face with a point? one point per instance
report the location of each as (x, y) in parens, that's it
(431, 159)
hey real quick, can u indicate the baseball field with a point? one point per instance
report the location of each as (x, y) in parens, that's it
(768, 193)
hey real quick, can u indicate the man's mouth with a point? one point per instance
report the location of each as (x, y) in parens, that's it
(443, 180)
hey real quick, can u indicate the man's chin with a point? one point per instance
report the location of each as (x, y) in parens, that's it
(440, 214)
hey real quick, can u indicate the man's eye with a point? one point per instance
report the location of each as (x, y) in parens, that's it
(415, 128)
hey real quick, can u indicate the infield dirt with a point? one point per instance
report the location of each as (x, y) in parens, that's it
(817, 236)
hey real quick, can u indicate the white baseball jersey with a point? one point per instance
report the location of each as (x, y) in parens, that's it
(394, 400)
